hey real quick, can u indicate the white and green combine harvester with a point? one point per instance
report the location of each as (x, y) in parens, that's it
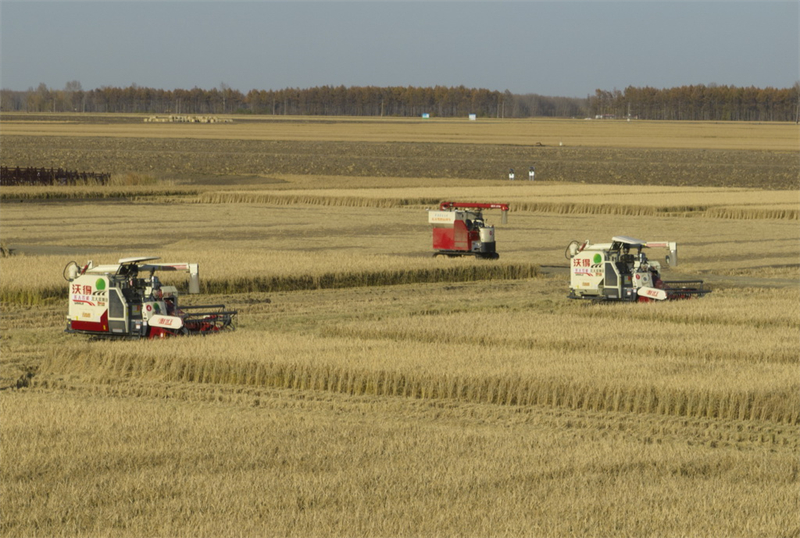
(127, 300)
(620, 271)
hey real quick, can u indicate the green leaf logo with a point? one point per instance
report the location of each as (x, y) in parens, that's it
(100, 284)
(597, 258)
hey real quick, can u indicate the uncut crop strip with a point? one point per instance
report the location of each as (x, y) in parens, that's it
(701, 211)
(329, 280)
(689, 210)
(312, 199)
(462, 273)
(139, 363)
(195, 195)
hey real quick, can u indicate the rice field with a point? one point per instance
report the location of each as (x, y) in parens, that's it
(371, 389)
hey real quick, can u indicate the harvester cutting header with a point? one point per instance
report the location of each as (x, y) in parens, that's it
(459, 229)
(611, 271)
(128, 300)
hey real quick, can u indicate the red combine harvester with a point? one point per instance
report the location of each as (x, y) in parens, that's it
(127, 300)
(459, 230)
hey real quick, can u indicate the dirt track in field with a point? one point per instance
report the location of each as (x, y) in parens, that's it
(210, 160)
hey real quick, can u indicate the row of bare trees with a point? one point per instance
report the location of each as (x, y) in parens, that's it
(324, 100)
(700, 102)
(697, 102)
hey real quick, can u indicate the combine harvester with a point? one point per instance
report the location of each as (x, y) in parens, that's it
(611, 272)
(459, 230)
(127, 300)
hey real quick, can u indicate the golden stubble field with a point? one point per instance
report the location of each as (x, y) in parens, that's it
(371, 390)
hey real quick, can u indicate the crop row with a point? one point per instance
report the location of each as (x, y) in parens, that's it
(39, 294)
(631, 210)
(730, 206)
(701, 430)
(132, 192)
(510, 390)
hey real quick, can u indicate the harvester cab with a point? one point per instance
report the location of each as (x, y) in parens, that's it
(128, 300)
(621, 271)
(459, 229)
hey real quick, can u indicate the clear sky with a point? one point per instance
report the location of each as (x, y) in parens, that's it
(564, 48)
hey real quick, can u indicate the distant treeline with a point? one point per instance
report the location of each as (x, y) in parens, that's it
(700, 103)
(682, 103)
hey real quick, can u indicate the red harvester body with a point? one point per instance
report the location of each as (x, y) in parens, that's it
(459, 229)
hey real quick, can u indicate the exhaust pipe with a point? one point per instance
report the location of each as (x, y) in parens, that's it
(672, 259)
(194, 278)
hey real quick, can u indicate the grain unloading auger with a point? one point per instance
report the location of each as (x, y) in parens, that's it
(459, 229)
(128, 300)
(612, 271)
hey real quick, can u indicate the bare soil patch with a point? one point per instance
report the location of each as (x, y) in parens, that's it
(214, 161)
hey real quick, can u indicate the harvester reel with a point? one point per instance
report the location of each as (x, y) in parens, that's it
(573, 248)
(65, 272)
(573, 245)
